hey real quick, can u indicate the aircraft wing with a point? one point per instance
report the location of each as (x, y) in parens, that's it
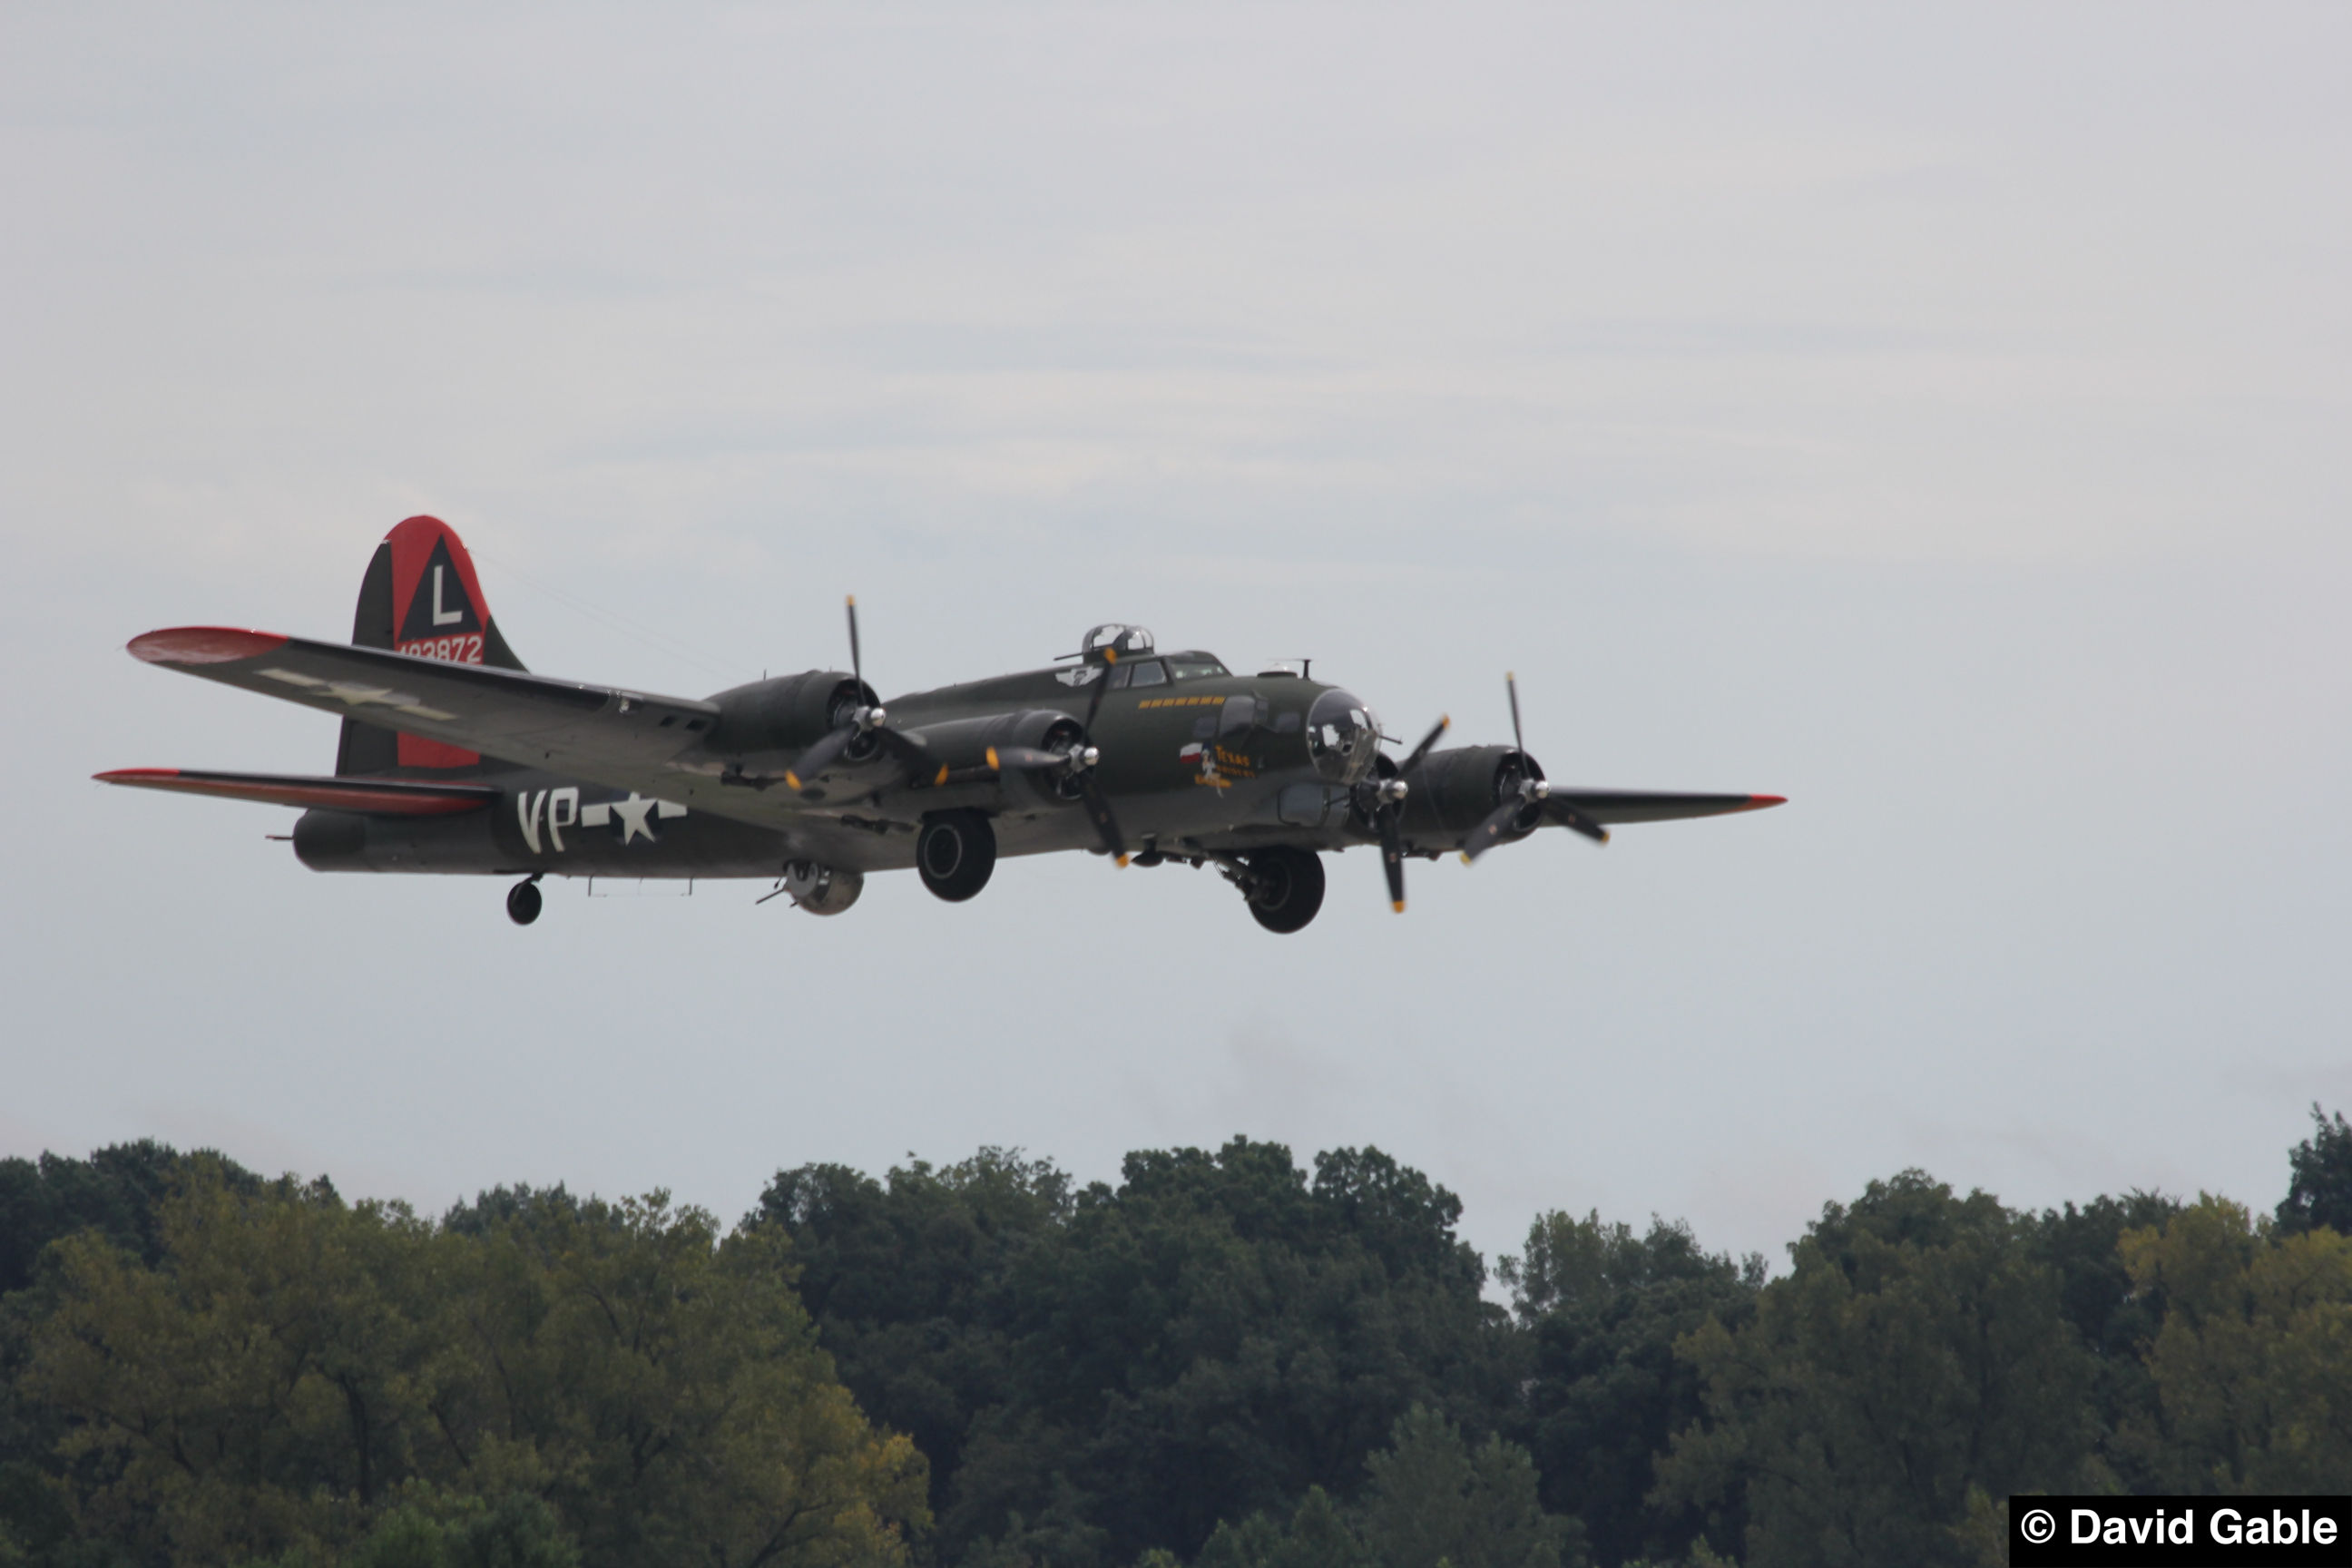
(372, 797)
(1610, 805)
(628, 739)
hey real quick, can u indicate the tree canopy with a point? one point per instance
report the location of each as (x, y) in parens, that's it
(1222, 1360)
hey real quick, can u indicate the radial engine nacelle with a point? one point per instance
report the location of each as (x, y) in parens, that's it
(772, 721)
(1453, 790)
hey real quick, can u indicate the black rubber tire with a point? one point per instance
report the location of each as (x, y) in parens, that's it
(955, 854)
(1289, 887)
(523, 902)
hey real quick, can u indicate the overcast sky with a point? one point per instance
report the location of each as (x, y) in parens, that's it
(1940, 417)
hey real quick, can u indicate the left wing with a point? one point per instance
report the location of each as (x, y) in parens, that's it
(628, 739)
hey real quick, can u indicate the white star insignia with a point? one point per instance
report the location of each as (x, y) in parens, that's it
(632, 813)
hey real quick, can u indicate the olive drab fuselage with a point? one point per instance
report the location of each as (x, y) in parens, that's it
(454, 759)
(1196, 762)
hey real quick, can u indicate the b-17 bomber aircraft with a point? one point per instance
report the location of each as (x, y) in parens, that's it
(454, 759)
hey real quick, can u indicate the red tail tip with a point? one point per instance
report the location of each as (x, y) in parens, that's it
(203, 645)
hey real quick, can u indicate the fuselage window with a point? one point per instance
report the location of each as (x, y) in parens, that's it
(1240, 713)
(1195, 669)
(1286, 723)
(1150, 672)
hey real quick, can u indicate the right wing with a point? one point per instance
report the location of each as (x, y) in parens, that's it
(1607, 806)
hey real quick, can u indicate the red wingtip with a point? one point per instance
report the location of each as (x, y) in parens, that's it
(203, 645)
(135, 775)
(1760, 802)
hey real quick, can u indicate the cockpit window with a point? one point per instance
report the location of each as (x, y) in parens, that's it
(1195, 667)
(1150, 672)
(1342, 736)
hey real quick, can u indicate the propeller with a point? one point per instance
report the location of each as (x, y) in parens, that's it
(1529, 801)
(1079, 761)
(1385, 805)
(861, 722)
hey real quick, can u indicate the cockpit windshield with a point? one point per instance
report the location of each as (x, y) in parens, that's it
(1194, 665)
(1342, 736)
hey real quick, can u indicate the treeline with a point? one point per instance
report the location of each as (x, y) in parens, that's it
(1222, 1361)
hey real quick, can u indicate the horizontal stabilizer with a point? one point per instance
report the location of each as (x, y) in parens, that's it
(1611, 806)
(368, 798)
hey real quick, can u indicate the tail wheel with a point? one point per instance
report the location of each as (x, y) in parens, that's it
(522, 902)
(955, 852)
(1286, 888)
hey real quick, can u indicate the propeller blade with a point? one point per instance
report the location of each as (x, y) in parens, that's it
(819, 757)
(1412, 758)
(1489, 833)
(1023, 759)
(1094, 703)
(1567, 816)
(1392, 858)
(857, 665)
(1090, 793)
(1511, 684)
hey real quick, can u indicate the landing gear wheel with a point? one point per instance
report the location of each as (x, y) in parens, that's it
(522, 902)
(955, 852)
(1289, 887)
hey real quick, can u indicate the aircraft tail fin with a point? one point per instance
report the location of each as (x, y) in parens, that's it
(420, 597)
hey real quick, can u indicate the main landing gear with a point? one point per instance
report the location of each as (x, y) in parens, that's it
(955, 852)
(523, 901)
(1284, 886)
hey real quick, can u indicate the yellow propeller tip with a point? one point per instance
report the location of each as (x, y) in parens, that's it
(1397, 906)
(943, 775)
(1122, 862)
(992, 756)
(851, 601)
(791, 780)
(1466, 858)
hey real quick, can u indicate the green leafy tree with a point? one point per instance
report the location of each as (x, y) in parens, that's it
(2253, 1365)
(2114, 1319)
(263, 1389)
(677, 1405)
(1603, 1309)
(433, 1530)
(1917, 1350)
(912, 1282)
(1434, 1499)
(114, 1191)
(1317, 1536)
(283, 1384)
(2320, 1190)
(1120, 1368)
